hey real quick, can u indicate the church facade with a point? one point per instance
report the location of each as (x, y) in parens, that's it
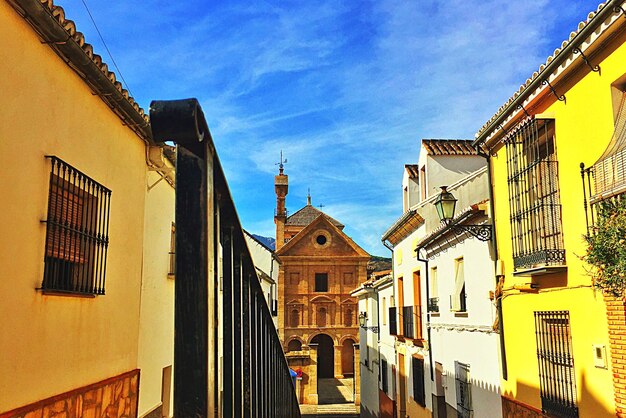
(319, 267)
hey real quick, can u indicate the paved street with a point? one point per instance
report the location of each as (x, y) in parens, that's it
(335, 398)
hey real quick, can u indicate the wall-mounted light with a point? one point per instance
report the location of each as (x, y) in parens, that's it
(363, 322)
(445, 205)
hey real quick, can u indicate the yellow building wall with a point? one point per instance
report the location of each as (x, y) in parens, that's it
(584, 125)
(52, 344)
(156, 334)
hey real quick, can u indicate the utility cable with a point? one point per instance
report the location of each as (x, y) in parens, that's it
(106, 47)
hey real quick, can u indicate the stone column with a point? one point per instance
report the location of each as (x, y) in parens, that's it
(357, 374)
(337, 357)
(310, 391)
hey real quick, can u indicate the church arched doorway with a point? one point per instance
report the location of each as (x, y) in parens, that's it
(347, 358)
(325, 356)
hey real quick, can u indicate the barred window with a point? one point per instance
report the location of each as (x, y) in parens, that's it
(463, 390)
(76, 232)
(557, 379)
(534, 195)
(419, 392)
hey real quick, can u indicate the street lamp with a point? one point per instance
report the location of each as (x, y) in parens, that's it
(363, 322)
(445, 205)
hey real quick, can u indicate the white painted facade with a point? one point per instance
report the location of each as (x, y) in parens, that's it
(386, 341)
(368, 341)
(457, 338)
(266, 264)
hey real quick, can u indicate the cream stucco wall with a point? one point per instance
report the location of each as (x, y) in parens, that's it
(369, 362)
(156, 333)
(51, 344)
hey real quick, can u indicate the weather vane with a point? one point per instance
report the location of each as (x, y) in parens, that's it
(281, 164)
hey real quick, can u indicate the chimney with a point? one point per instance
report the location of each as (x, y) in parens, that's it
(281, 187)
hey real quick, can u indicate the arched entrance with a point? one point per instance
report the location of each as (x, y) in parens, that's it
(347, 358)
(325, 356)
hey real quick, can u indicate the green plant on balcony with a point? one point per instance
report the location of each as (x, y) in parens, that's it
(606, 250)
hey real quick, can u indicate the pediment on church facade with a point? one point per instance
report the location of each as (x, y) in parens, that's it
(322, 239)
(322, 299)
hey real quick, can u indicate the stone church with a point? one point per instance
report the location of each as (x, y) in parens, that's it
(317, 318)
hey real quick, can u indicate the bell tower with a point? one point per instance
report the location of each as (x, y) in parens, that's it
(281, 187)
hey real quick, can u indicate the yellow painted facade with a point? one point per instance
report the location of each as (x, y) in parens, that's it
(53, 344)
(583, 129)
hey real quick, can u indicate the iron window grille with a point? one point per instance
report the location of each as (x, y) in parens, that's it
(557, 379)
(463, 390)
(419, 391)
(534, 200)
(408, 325)
(172, 253)
(393, 321)
(321, 282)
(77, 230)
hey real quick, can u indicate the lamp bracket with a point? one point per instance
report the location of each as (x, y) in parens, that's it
(560, 98)
(480, 232)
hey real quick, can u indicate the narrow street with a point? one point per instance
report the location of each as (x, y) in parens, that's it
(335, 400)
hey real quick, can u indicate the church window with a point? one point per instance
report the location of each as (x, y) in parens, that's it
(321, 239)
(321, 282)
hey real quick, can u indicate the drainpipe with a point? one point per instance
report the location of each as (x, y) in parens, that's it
(430, 341)
(495, 261)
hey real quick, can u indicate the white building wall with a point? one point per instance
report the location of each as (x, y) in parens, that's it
(369, 356)
(264, 260)
(386, 341)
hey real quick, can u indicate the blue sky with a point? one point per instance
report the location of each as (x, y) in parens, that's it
(345, 89)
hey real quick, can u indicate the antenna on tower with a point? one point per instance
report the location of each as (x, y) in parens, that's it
(281, 164)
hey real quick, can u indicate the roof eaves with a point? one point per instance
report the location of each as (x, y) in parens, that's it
(49, 21)
(560, 55)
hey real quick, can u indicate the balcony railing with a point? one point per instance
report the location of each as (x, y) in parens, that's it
(433, 305)
(228, 360)
(393, 321)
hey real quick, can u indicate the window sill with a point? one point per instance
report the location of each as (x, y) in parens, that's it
(67, 293)
(540, 270)
(435, 314)
(462, 314)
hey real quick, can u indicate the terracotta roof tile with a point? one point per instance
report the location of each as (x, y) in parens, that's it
(308, 214)
(70, 27)
(448, 146)
(413, 170)
(542, 67)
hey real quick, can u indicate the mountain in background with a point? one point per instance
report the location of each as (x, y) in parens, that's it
(269, 242)
(377, 263)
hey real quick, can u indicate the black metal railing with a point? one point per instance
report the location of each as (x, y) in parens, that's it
(557, 379)
(393, 321)
(433, 305)
(224, 330)
(408, 324)
(463, 390)
(172, 253)
(534, 200)
(77, 232)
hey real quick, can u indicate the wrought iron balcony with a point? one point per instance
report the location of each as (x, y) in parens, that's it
(223, 327)
(433, 305)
